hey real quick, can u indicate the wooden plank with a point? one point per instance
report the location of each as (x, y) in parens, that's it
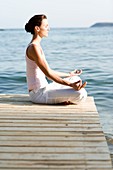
(48, 125)
(104, 165)
(32, 133)
(51, 129)
(51, 136)
(26, 122)
(67, 149)
(52, 156)
(53, 144)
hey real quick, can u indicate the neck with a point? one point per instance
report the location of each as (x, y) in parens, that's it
(36, 38)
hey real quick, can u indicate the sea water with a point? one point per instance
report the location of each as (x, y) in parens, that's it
(66, 49)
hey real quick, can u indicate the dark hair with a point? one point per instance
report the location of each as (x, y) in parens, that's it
(36, 20)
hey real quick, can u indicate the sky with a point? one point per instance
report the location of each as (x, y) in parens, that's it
(60, 13)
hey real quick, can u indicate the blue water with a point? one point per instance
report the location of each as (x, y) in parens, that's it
(89, 49)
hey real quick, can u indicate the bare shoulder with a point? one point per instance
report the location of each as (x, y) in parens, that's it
(35, 48)
(34, 52)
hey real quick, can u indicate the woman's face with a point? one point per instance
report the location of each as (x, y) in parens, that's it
(44, 28)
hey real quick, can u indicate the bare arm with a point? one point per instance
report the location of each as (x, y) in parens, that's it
(72, 73)
(36, 55)
(61, 74)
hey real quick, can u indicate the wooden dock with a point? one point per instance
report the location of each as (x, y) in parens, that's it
(39, 137)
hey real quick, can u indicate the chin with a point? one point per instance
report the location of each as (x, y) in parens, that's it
(46, 35)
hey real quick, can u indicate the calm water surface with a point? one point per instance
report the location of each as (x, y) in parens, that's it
(89, 49)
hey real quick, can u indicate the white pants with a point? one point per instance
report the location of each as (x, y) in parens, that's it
(55, 93)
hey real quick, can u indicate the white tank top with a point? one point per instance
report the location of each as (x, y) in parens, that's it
(35, 77)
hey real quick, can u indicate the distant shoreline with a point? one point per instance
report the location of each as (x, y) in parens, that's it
(102, 24)
(99, 24)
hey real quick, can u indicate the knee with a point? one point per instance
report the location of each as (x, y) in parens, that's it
(82, 95)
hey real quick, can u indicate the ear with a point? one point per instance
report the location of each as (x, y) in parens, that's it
(37, 29)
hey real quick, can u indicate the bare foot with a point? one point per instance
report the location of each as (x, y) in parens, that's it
(66, 103)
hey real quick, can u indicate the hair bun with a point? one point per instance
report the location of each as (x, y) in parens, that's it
(28, 27)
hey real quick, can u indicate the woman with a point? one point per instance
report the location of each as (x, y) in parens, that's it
(62, 90)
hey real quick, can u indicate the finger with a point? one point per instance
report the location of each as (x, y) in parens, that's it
(78, 71)
(79, 87)
(80, 82)
(77, 82)
(83, 85)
